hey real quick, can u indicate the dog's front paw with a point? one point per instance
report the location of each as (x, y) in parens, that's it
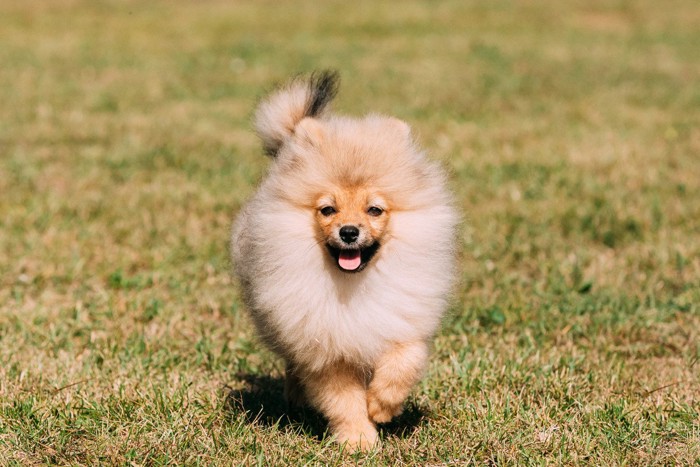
(357, 437)
(382, 409)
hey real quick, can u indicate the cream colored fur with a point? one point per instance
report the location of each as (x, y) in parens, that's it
(355, 343)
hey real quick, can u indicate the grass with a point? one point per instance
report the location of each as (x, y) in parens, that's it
(572, 131)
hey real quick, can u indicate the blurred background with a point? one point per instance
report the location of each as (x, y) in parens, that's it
(572, 134)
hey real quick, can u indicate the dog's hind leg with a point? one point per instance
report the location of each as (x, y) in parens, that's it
(293, 389)
(396, 372)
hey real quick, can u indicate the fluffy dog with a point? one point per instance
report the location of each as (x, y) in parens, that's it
(345, 256)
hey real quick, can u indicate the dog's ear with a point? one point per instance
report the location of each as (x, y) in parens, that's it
(309, 131)
(400, 127)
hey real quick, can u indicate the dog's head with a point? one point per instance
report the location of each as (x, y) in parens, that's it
(353, 176)
(352, 222)
(359, 179)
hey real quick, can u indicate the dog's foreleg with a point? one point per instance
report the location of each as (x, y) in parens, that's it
(396, 372)
(339, 393)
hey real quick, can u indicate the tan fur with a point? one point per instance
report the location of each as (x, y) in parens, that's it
(339, 392)
(355, 343)
(351, 203)
(396, 372)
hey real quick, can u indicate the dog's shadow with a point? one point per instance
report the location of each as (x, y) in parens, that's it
(261, 400)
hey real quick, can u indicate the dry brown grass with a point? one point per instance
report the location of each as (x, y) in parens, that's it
(571, 129)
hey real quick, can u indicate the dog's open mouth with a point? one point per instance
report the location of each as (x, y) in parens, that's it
(353, 259)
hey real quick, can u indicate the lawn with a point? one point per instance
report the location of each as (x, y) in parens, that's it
(572, 134)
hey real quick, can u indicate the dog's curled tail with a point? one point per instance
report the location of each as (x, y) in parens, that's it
(278, 114)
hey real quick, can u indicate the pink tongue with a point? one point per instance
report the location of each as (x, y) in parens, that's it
(349, 259)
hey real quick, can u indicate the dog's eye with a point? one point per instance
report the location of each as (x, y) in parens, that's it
(374, 211)
(328, 211)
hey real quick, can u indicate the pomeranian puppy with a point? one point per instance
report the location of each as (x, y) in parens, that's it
(345, 256)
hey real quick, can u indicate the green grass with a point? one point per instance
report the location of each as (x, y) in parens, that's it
(572, 132)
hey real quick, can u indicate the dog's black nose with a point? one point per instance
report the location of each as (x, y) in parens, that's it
(349, 233)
